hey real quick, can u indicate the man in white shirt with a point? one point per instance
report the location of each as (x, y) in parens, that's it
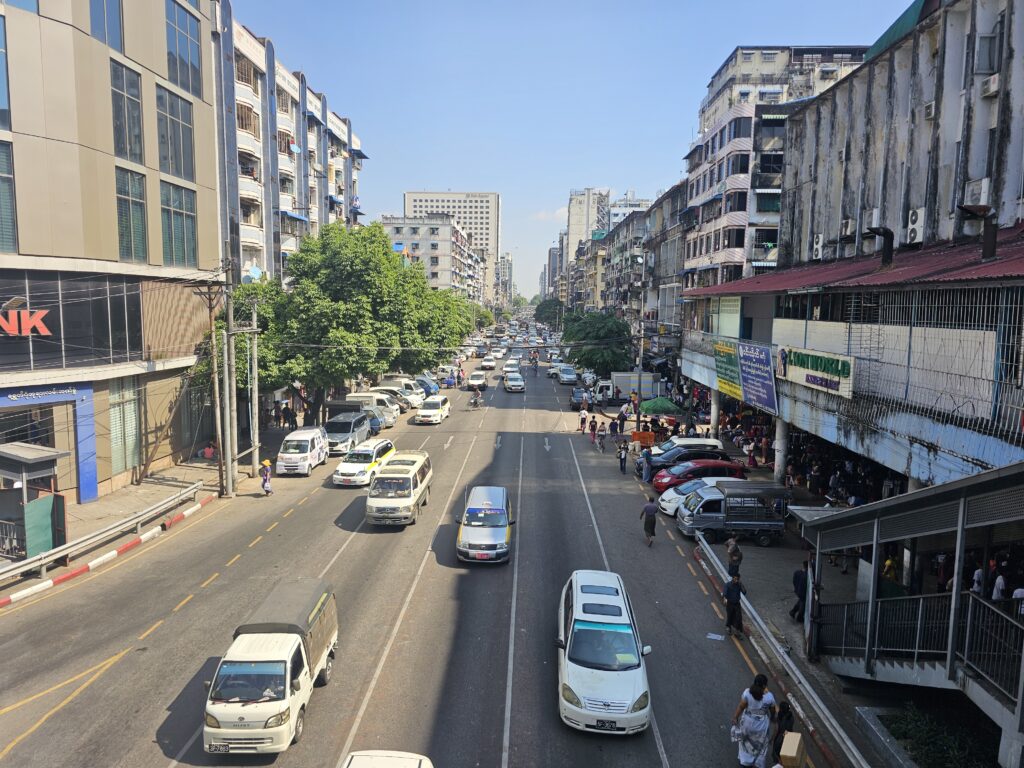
(978, 581)
(999, 590)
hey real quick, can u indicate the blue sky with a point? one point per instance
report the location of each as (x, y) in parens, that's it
(529, 98)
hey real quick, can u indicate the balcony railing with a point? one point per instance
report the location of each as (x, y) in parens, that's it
(766, 181)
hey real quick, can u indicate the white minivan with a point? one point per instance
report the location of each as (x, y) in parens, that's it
(379, 399)
(302, 450)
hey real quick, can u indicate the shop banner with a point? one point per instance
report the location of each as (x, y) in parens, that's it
(757, 377)
(823, 371)
(728, 369)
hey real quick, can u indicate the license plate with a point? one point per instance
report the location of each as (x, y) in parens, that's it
(482, 556)
(347, 481)
(606, 725)
(219, 748)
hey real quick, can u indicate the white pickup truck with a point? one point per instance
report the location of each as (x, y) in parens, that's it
(257, 700)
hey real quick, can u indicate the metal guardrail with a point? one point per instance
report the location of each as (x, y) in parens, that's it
(820, 708)
(990, 643)
(41, 561)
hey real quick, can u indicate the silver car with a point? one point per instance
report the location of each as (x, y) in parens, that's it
(485, 528)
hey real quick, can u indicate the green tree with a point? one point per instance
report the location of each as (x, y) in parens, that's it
(549, 311)
(598, 341)
(482, 317)
(518, 302)
(535, 300)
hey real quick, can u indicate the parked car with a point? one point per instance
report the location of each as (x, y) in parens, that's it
(691, 470)
(429, 386)
(670, 500)
(753, 510)
(406, 397)
(377, 419)
(477, 379)
(576, 397)
(514, 382)
(687, 442)
(677, 456)
(346, 430)
(301, 451)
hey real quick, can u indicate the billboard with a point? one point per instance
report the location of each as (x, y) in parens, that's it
(727, 367)
(824, 371)
(757, 377)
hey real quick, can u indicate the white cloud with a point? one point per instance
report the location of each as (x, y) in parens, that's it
(561, 214)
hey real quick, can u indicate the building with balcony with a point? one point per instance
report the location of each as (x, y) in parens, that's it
(663, 246)
(588, 211)
(594, 257)
(554, 268)
(438, 243)
(628, 285)
(542, 285)
(504, 289)
(108, 226)
(290, 164)
(735, 165)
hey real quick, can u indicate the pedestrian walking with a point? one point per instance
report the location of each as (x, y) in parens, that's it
(784, 723)
(623, 454)
(734, 589)
(277, 415)
(645, 457)
(622, 420)
(752, 723)
(602, 433)
(735, 556)
(613, 428)
(265, 478)
(583, 419)
(800, 590)
(649, 513)
(593, 429)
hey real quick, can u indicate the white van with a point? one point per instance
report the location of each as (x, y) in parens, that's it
(401, 487)
(709, 443)
(386, 758)
(379, 399)
(302, 450)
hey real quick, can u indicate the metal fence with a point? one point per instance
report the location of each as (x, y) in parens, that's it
(913, 627)
(12, 540)
(990, 642)
(842, 629)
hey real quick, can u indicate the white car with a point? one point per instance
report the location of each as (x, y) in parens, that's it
(434, 410)
(514, 382)
(512, 366)
(386, 758)
(360, 465)
(670, 500)
(566, 375)
(477, 379)
(413, 399)
(589, 378)
(498, 353)
(602, 679)
(487, 364)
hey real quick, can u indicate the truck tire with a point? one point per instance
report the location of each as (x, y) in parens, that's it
(300, 726)
(325, 674)
(763, 539)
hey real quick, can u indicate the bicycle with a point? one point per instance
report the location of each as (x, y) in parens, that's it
(600, 442)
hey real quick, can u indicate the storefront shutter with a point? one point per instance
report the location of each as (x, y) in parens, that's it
(131, 432)
(116, 439)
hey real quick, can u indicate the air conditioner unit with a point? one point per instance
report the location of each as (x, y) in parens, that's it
(819, 247)
(990, 86)
(848, 228)
(915, 226)
(976, 192)
(929, 110)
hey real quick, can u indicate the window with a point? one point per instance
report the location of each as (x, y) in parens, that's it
(773, 163)
(770, 97)
(5, 95)
(246, 72)
(735, 201)
(435, 231)
(434, 261)
(748, 56)
(178, 217)
(105, 22)
(433, 246)
(27, 5)
(284, 102)
(769, 203)
(126, 96)
(397, 230)
(433, 275)
(8, 210)
(739, 163)
(174, 133)
(183, 58)
(131, 215)
(768, 55)
(766, 239)
(284, 142)
(734, 238)
(249, 166)
(251, 213)
(744, 97)
(287, 185)
(247, 119)
(124, 425)
(414, 230)
(740, 128)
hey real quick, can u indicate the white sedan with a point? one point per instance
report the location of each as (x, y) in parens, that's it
(487, 364)
(434, 410)
(498, 353)
(512, 366)
(514, 382)
(477, 379)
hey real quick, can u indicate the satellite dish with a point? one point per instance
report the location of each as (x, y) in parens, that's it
(255, 272)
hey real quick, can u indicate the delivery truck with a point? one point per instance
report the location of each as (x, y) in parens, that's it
(649, 386)
(257, 700)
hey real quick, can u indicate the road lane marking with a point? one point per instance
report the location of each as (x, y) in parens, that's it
(302, 501)
(693, 571)
(667, 533)
(318, 488)
(288, 512)
(255, 541)
(507, 728)
(424, 442)
(67, 700)
(743, 653)
(604, 557)
(232, 561)
(272, 526)
(449, 441)
(186, 748)
(209, 580)
(703, 588)
(342, 548)
(718, 611)
(481, 424)
(401, 614)
(181, 605)
(69, 681)
(151, 630)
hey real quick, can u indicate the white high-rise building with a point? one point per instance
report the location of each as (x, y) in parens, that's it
(588, 210)
(478, 214)
(625, 205)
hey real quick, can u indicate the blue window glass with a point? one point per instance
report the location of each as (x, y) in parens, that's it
(184, 68)
(27, 5)
(105, 22)
(5, 94)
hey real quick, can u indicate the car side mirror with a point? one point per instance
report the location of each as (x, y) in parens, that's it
(646, 650)
(206, 684)
(559, 643)
(296, 685)
(511, 522)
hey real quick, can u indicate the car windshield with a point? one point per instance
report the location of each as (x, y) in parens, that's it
(668, 445)
(610, 647)
(249, 681)
(679, 469)
(687, 488)
(359, 457)
(430, 405)
(391, 487)
(691, 502)
(339, 427)
(485, 517)
(295, 446)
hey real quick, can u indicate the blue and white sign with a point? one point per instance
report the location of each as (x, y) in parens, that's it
(757, 376)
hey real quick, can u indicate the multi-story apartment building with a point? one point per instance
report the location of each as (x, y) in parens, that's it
(664, 246)
(553, 269)
(625, 205)
(503, 288)
(734, 166)
(594, 258)
(289, 163)
(628, 270)
(108, 224)
(438, 243)
(588, 211)
(479, 216)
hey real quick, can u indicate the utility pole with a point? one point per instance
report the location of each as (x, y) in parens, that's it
(254, 397)
(212, 294)
(227, 445)
(230, 374)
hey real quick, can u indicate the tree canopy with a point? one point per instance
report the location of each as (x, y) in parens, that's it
(535, 300)
(598, 341)
(518, 301)
(548, 311)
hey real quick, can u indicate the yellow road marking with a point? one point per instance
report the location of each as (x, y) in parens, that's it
(150, 631)
(718, 611)
(255, 541)
(273, 526)
(302, 501)
(232, 561)
(669, 533)
(209, 580)
(743, 653)
(52, 688)
(67, 700)
(119, 562)
(289, 512)
(181, 605)
(702, 587)
(318, 488)
(661, 520)
(693, 571)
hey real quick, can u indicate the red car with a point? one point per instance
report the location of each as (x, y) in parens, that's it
(691, 470)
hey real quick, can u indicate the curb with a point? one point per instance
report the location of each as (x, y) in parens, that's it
(107, 556)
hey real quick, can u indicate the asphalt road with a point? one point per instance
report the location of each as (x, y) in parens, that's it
(108, 670)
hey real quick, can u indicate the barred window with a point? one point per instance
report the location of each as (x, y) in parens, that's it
(246, 72)
(284, 142)
(131, 215)
(247, 119)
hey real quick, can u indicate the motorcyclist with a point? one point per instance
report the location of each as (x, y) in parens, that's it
(475, 398)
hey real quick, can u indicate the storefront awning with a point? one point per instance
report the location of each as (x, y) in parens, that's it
(293, 215)
(336, 200)
(360, 154)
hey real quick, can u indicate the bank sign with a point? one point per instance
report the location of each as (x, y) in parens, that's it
(823, 371)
